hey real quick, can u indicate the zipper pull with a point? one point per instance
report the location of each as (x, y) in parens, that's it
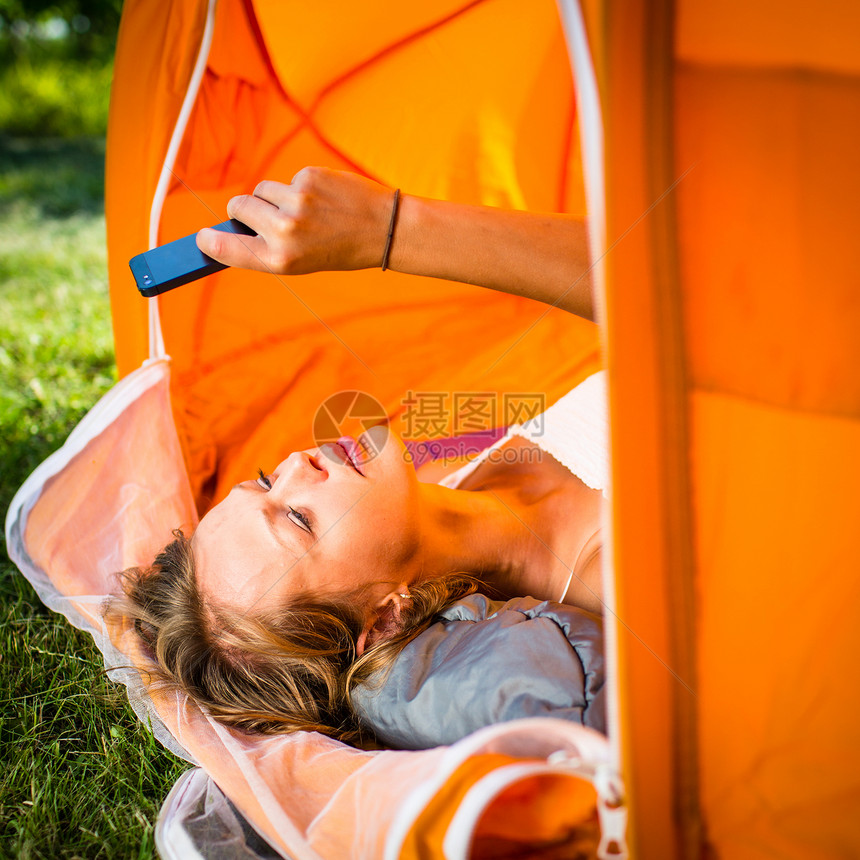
(612, 814)
(611, 809)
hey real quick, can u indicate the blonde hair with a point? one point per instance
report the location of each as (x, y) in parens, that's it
(280, 671)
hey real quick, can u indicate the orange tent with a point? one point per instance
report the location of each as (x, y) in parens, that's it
(713, 144)
(732, 310)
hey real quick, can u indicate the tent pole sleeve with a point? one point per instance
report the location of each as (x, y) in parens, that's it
(156, 338)
(591, 135)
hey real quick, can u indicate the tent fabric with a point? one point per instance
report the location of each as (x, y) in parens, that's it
(127, 518)
(198, 819)
(731, 316)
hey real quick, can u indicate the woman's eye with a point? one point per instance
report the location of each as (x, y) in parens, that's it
(299, 518)
(263, 481)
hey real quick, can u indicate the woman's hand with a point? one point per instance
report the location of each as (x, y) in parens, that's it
(330, 220)
(324, 220)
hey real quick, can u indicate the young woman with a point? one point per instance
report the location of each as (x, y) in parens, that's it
(311, 576)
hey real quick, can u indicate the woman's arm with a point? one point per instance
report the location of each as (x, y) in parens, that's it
(328, 220)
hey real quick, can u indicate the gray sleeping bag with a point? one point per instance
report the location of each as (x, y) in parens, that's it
(486, 662)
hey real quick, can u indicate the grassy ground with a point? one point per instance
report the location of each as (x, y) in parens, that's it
(78, 776)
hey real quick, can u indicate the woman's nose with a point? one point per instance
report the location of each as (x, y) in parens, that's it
(302, 468)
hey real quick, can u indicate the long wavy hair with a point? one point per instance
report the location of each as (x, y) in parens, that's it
(279, 671)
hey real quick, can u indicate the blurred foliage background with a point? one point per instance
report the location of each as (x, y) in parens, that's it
(90, 25)
(55, 66)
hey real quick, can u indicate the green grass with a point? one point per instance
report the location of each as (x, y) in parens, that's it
(80, 777)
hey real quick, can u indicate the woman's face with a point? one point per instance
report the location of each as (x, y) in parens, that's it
(325, 521)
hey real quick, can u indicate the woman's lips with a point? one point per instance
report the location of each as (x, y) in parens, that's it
(351, 448)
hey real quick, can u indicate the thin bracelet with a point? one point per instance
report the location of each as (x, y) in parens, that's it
(391, 225)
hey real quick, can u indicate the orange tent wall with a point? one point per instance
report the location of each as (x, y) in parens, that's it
(733, 306)
(470, 101)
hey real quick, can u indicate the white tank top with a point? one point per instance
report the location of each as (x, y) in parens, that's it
(574, 430)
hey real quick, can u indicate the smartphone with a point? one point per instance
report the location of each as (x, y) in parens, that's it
(177, 263)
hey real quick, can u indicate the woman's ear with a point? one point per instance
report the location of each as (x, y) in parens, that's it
(385, 621)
